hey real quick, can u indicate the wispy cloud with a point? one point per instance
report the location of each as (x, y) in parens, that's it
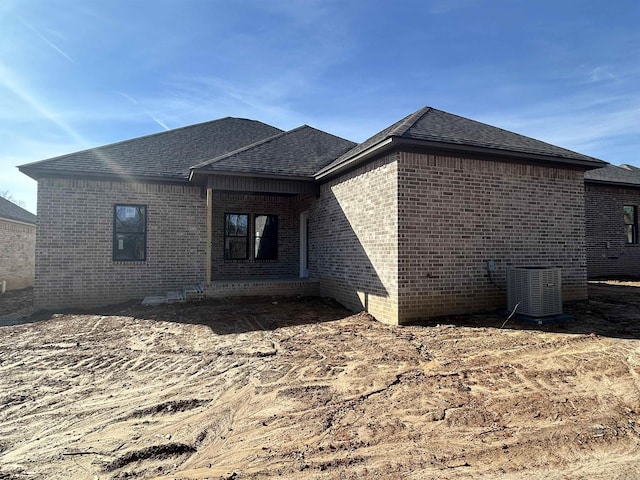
(151, 115)
(601, 73)
(206, 97)
(565, 76)
(45, 39)
(586, 123)
(9, 81)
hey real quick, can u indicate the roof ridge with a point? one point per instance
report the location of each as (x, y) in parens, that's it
(247, 147)
(410, 120)
(433, 128)
(396, 129)
(165, 132)
(329, 133)
(299, 153)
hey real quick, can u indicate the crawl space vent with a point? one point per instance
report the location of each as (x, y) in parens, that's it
(538, 290)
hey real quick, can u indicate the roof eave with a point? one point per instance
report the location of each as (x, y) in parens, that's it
(15, 220)
(587, 164)
(361, 157)
(29, 172)
(395, 142)
(612, 183)
(38, 173)
(197, 173)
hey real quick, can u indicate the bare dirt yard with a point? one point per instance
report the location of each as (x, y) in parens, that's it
(304, 389)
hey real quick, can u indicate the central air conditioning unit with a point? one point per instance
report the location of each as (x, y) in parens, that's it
(536, 290)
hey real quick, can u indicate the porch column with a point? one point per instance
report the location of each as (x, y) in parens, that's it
(209, 232)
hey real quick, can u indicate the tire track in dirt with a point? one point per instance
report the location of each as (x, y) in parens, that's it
(120, 370)
(340, 397)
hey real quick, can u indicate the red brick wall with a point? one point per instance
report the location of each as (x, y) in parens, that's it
(17, 254)
(74, 265)
(456, 213)
(608, 255)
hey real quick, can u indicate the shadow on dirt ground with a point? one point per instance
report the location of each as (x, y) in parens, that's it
(223, 317)
(16, 306)
(234, 316)
(613, 310)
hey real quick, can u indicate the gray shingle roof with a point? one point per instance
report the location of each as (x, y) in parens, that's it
(248, 146)
(167, 154)
(12, 211)
(298, 152)
(622, 175)
(431, 125)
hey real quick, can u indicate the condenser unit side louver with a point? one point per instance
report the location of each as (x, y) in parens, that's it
(536, 290)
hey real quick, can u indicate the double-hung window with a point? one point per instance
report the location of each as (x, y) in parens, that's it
(130, 233)
(630, 224)
(236, 236)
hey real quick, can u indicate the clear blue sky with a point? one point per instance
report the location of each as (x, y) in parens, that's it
(81, 73)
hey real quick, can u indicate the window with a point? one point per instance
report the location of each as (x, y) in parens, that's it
(630, 224)
(129, 233)
(266, 244)
(236, 236)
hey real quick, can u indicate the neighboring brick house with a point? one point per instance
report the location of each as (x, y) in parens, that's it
(401, 225)
(17, 246)
(612, 203)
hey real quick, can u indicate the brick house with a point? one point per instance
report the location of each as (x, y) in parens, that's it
(17, 246)
(401, 225)
(611, 206)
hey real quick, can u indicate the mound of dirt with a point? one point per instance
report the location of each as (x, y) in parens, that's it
(304, 389)
(155, 452)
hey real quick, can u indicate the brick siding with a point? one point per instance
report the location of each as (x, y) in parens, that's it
(608, 254)
(17, 254)
(405, 236)
(74, 266)
(263, 288)
(457, 213)
(408, 236)
(353, 239)
(287, 208)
